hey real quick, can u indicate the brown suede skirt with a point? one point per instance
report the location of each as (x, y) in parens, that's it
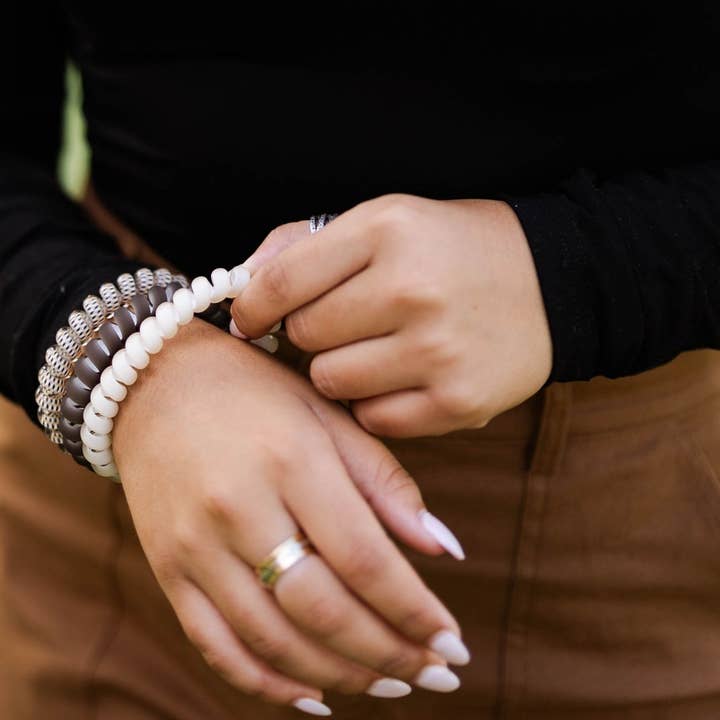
(591, 519)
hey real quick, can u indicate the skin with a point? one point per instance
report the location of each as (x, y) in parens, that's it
(223, 453)
(426, 314)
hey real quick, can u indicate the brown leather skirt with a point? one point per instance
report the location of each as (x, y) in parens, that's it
(591, 519)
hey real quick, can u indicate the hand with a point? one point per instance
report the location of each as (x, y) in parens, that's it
(427, 314)
(224, 453)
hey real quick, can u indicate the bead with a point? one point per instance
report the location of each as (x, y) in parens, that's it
(74, 447)
(239, 278)
(93, 441)
(111, 336)
(50, 421)
(97, 457)
(220, 279)
(167, 319)
(79, 321)
(50, 383)
(95, 309)
(110, 296)
(71, 410)
(184, 302)
(111, 387)
(126, 285)
(162, 277)
(144, 279)
(156, 296)
(108, 470)
(68, 341)
(179, 278)
(105, 406)
(152, 339)
(87, 372)
(58, 362)
(136, 354)
(202, 290)
(171, 289)
(78, 391)
(96, 422)
(125, 320)
(98, 353)
(140, 307)
(123, 371)
(69, 429)
(267, 342)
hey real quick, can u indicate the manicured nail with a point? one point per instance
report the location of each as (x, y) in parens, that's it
(440, 531)
(234, 331)
(450, 646)
(269, 343)
(276, 326)
(437, 678)
(312, 707)
(249, 264)
(389, 688)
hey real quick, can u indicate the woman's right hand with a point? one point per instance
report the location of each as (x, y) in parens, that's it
(224, 453)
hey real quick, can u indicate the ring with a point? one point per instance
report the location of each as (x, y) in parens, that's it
(318, 222)
(282, 557)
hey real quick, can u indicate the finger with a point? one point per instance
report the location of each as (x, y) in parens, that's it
(389, 489)
(365, 369)
(301, 273)
(401, 414)
(318, 602)
(351, 311)
(358, 550)
(324, 608)
(227, 656)
(255, 616)
(279, 239)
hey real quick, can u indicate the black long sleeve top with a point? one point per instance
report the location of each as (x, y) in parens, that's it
(209, 125)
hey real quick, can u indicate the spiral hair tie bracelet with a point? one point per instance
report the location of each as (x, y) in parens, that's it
(122, 372)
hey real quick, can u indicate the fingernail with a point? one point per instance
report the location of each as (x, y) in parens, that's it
(276, 326)
(234, 331)
(269, 343)
(249, 264)
(450, 646)
(437, 678)
(440, 531)
(389, 688)
(313, 707)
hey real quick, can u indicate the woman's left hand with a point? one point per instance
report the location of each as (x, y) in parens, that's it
(426, 314)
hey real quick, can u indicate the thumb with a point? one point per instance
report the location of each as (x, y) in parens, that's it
(279, 239)
(387, 486)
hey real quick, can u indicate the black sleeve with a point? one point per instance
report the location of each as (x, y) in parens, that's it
(629, 268)
(51, 256)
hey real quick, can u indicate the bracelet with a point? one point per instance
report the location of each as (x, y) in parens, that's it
(99, 353)
(122, 372)
(82, 336)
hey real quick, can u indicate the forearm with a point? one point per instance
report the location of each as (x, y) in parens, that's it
(628, 268)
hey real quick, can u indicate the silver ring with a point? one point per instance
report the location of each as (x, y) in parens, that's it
(318, 222)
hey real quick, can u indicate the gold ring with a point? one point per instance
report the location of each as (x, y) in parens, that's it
(282, 557)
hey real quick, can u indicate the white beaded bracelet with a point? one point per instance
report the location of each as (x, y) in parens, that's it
(106, 396)
(61, 358)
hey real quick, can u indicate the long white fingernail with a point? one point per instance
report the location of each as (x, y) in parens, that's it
(450, 646)
(440, 531)
(234, 331)
(437, 678)
(312, 707)
(269, 343)
(389, 688)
